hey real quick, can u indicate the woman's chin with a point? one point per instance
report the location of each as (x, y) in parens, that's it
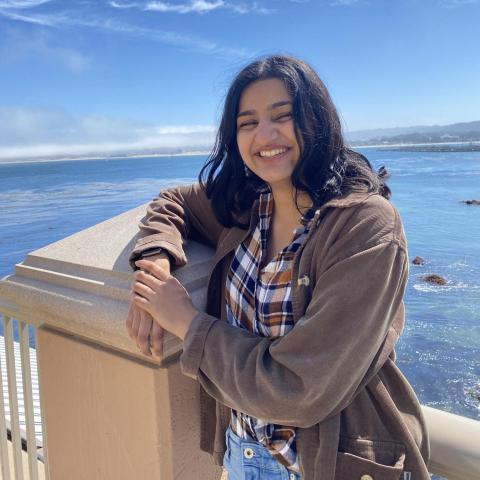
(278, 181)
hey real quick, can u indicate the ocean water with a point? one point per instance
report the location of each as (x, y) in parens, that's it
(439, 351)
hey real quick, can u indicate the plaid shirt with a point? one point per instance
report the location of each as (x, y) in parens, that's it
(259, 300)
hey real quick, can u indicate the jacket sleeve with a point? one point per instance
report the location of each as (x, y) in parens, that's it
(172, 217)
(313, 371)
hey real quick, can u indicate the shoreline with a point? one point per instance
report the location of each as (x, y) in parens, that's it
(473, 146)
(115, 157)
(426, 149)
(404, 147)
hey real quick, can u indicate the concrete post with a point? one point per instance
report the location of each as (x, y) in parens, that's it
(109, 413)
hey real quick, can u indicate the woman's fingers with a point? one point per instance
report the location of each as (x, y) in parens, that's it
(129, 320)
(156, 339)
(147, 279)
(153, 269)
(141, 303)
(146, 333)
(143, 337)
(143, 290)
(133, 320)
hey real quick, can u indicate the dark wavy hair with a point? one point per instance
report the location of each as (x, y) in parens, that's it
(327, 167)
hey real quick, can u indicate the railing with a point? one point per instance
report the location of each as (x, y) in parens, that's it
(107, 412)
(455, 445)
(20, 418)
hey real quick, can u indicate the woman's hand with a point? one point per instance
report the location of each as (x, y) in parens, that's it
(163, 297)
(146, 333)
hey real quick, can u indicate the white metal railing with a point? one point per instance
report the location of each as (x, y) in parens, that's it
(20, 417)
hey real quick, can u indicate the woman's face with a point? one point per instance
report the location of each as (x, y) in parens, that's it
(266, 132)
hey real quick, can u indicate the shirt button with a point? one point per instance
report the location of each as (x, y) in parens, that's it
(366, 477)
(304, 280)
(248, 453)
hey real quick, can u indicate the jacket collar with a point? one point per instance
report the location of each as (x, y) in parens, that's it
(349, 200)
(237, 235)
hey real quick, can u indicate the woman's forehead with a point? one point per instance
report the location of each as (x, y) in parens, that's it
(264, 94)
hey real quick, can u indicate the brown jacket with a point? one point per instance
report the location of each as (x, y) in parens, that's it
(333, 375)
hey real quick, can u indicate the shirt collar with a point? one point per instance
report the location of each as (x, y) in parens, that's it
(265, 205)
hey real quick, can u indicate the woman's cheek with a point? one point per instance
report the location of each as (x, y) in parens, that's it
(243, 145)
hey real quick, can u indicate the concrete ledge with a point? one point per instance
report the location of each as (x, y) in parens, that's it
(454, 444)
(81, 284)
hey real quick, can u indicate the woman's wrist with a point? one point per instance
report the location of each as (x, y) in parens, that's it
(185, 323)
(162, 260)
(154, 253)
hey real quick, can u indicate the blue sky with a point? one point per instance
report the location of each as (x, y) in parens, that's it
(81, 76)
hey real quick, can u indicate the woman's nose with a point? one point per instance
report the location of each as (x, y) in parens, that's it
(266, 132)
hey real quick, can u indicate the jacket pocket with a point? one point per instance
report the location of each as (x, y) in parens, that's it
(359, 459)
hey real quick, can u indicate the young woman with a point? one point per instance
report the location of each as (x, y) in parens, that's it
(295, 352)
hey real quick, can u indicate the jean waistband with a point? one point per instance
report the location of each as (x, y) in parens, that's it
(253, 452)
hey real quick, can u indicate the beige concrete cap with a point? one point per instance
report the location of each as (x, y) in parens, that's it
(81, 284)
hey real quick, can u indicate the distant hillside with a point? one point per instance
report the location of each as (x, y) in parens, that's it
(456, 132)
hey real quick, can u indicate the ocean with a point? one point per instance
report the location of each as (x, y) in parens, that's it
(439, 351)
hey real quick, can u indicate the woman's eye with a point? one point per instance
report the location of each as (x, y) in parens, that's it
(284, 116)
(251, 123)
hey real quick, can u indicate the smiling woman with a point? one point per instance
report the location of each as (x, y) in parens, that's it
(295, 351)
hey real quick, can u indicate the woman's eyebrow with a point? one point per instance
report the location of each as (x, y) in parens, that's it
(279, 104)
(245, 113)
(271, 107)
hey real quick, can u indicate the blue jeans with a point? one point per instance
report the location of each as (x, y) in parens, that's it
(250, 460)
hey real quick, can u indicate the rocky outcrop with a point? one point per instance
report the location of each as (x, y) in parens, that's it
(418, 261)
(435, 279)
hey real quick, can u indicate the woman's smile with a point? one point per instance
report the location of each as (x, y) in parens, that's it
(274, 152)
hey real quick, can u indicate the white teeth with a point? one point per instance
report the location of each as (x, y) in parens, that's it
(272, 153)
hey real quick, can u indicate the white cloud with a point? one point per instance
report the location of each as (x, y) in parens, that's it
(18, 4)
(49, 20)
(18, 47)
(197, 6)
(194, 6)
(249, 8)
(122, 5)
(39, 133)
(344, 3)
(334, 3)
(13, 9)
(457, 3)
(179, 40)
(176, 39)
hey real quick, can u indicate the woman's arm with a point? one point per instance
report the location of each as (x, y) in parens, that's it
(172, 217)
